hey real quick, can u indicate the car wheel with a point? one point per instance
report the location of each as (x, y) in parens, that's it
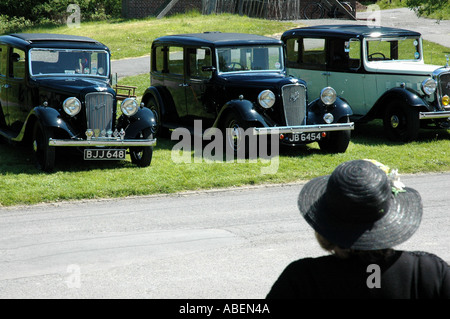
(142, 155)
(336, 142)
(44, 154)
(235, 138)
(401, 122)
(156, 109)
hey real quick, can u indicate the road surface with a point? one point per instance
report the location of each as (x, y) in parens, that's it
(222, 244)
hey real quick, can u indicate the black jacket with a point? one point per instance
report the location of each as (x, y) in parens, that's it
(404, 275)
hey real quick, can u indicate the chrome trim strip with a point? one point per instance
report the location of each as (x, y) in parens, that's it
(434, 115)
(304, 128)
(100, 142)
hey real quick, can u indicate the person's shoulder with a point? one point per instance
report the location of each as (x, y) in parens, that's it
(426, 259)
(311, 261)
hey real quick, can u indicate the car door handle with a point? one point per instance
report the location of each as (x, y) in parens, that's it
(326, 73)
(183, 85)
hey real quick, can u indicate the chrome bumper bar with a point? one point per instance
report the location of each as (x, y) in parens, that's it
(99, 142)
(434, 115)
(303, 128)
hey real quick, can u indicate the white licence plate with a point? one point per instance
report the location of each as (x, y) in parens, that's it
(305, 137)
(96, 154)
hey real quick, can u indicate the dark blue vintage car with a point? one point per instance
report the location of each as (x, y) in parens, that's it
(234, 81)
(55, 91)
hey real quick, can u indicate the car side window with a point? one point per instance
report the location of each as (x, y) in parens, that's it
(314, 53)
(306, 53)
(3, 59)
(17, 64)
(158, 59)
(344, 55)
(197, 59)
(175, 60)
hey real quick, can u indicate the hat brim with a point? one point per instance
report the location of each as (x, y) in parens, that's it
(400, 222)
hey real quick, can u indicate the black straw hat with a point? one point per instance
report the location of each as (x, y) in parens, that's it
(357, 207)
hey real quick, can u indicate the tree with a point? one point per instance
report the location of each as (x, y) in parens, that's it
(427, 7)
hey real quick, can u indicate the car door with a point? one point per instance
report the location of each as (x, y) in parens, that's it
(174, 79)
(344, 73)
(306, 60)
(3, 90)
(14, 85)
(196, 83)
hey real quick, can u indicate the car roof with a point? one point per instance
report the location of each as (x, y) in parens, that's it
(349, 30)
(217, 39)
(50, 39)
(33, 37)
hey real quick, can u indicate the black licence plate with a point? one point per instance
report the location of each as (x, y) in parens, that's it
(305, 137)
(104, 155)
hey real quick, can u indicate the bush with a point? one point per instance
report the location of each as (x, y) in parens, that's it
(39, 11)
(13, 24)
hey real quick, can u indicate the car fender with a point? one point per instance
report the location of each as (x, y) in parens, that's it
(341, 111)
(48, 117)
(153, 92)
(245, 109)
(408, 96)
(144, 118)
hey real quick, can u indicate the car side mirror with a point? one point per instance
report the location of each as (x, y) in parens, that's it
(208, 68)
(15, 57)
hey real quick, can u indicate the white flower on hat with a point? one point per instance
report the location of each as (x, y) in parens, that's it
(393, 175)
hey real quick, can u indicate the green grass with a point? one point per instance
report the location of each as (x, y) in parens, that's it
(74, 179)
(132, 38)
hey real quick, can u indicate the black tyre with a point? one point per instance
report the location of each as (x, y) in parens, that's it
(156, 109)
(142, 155)
(336, 142)
(236, 138)
(44, 154)
(401, 122)
(313, 10)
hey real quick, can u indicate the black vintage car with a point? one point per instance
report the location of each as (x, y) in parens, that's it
(55, 91)
(236, 82)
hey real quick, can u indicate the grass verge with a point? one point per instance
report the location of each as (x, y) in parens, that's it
(74, 179)
(132, 38)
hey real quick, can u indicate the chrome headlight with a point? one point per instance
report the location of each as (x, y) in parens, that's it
(328, 96)
(266, 99)
(429, 86)
(129, 107)
(72, 106)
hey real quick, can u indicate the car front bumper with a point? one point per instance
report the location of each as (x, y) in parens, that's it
(303, 128)
(102, 142)
(434, 115)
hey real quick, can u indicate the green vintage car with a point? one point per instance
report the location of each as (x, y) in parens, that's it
(380, 71)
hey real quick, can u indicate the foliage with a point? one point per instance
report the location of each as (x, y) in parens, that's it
(56, 10)
(13, 24)
(439, 9)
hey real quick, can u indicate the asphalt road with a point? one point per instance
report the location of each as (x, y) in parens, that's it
(216, 244)
(404, 18)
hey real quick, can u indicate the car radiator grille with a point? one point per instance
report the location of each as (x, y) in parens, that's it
(444, 85)
(99, 111)
(294, 101)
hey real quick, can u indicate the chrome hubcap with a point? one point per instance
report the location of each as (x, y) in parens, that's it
(395, 121)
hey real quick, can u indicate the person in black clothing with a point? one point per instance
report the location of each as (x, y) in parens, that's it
(359, 213)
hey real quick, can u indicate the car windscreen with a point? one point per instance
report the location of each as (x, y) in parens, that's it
(250, 58)
(68, 62)
(394, 49)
